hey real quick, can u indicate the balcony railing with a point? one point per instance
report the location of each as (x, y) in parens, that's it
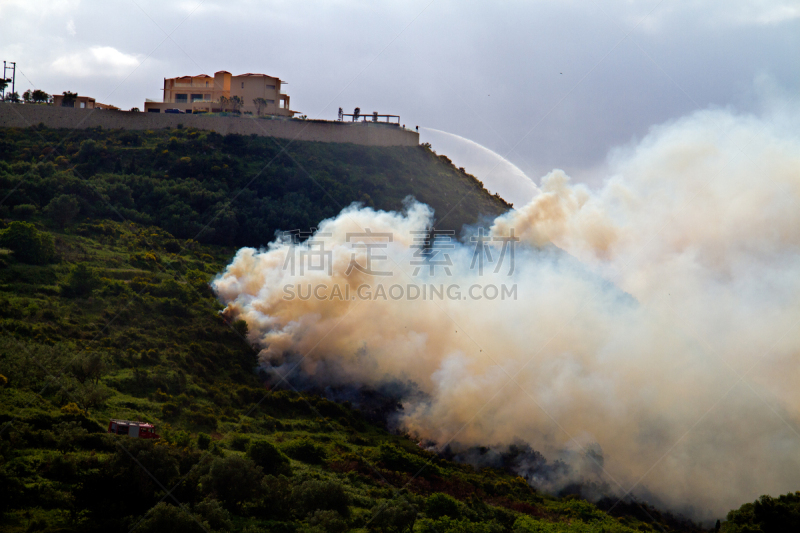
(209, 86)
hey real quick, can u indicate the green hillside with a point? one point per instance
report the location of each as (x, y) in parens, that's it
(105, 311)
(231, 190)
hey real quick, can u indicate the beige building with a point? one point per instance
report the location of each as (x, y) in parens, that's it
(190, 94)
(79, 102)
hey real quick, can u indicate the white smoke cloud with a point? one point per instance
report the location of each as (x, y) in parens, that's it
(656, 316)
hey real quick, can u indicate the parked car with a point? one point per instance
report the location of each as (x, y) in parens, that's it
(178, 111)
(131, 428)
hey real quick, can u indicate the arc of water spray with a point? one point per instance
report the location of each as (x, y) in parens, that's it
(498, 173)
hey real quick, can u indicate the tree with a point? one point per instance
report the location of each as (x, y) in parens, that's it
(27, 96)
(13, 97)
(69, 99)
(260, 104)
(134, 110)
(4, 83)
(236, 103)
(40, 96)
(223, 103)
(62, 209)
(28, 244)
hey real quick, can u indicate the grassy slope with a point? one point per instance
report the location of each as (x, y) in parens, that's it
(147, 343)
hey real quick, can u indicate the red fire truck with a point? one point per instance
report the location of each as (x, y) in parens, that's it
(141, 430)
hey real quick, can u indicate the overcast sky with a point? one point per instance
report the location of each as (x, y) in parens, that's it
(550, 84)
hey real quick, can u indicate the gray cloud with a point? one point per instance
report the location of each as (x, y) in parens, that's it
(559, 82)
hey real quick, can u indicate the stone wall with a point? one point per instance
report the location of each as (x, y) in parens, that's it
(368, 134)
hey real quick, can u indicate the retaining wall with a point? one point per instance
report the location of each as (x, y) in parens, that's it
(365, 133)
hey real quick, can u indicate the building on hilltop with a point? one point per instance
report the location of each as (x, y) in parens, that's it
(81, 102)
(191, 94)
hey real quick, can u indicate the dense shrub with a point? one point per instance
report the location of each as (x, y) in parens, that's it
(240, 442)
(63, 209)
(321, 495)
(166, 518)
(766, 514)
(276, 498)
(446, 524)
(214, 514)
(394, 516)
(204, 419)
(24, 211)
(327, 522)
(269, 458)
(233, 479)
(398, 459)
(68, 435)
(305, 450)
(28, 244)
(203, 441)
(439, 505)
(179, 438)
(80, 282)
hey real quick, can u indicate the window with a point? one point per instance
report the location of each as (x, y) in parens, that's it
(242, 85)
(83, 104)
(270, 87)
(197, 98)
(271, 102)
(207, 97)
(181, 98)
(206, 84)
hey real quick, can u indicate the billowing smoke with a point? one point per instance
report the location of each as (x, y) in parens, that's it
(651, 325)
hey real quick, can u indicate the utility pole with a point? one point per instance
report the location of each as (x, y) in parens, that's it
(13, 70)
